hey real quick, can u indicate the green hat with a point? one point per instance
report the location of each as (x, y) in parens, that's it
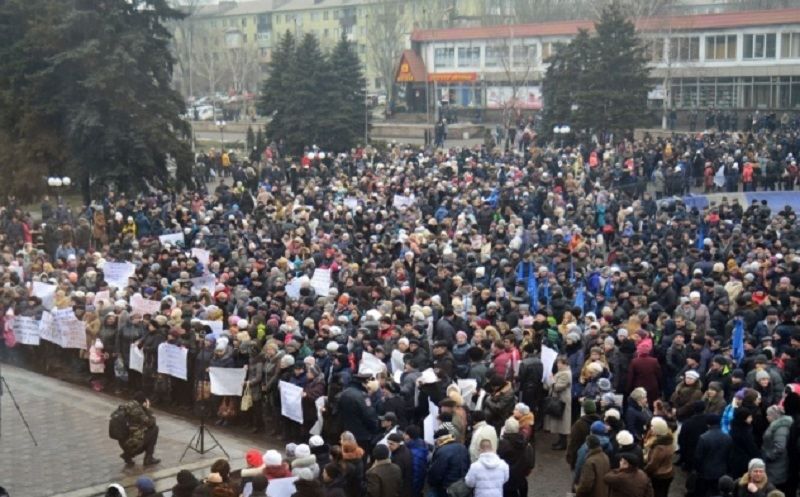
(589, 406)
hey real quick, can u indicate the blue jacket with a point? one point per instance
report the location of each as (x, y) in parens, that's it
(419, 463)
(605, 444)
(450, 462)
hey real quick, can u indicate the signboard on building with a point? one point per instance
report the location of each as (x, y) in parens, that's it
(527, 97)
(453, 77)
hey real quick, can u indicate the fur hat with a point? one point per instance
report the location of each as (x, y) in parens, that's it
(625, 438)
(272, 458)
(659, 426)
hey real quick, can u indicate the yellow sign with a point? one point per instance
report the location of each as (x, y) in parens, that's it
(405, 76)
(452, 77)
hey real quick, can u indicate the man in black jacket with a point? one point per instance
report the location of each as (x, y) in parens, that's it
(711, 456)
(531, 372)
(402, 457)
(358, 416)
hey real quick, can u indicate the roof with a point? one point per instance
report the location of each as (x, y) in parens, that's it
(570, 28)
(411, 68)
(313, 4)
(251, 7)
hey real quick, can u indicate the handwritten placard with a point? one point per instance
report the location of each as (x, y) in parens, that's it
(26, 329)
(117, 273)
(172, 360)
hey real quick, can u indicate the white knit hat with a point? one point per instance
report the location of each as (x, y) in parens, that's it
(316, 441)
(302, 450)
(272, 458)
(624, 438)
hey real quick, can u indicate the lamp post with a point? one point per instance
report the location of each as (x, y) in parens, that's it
(57, 182)
(560, 131)
(221, 126)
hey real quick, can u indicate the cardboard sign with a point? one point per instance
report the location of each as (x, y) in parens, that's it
(202, 255)
(209, 282)
(144, 306)
(401, 201)
(70, 330)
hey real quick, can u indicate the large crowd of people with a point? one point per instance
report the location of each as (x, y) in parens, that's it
(647, 337)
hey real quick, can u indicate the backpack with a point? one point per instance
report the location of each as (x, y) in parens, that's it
(118, 428)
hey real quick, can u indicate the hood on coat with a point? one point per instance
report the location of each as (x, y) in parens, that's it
(351, 450)
(489, 460)
(304, 462)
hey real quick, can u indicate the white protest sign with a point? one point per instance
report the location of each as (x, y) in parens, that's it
(293, 288)
(548, 356)
(321, 282)
(47, 329)
(216, 326)
(209, 282)
(202, 255)
(370, 364)
(431, 423)
(104, 296)
(351, 203)
(26, 329)
(71, 330)
(144, 306)
(172, 360)
(136, 361)
(467, 387)
(172, 239)
(117, 273)
(320, 404)
(291, 401)
(227, 381)
(46, 292)
(281, 487)
(14, 266)
(401, 201)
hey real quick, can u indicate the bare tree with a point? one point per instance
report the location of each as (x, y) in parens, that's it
(430, 14)
(184, 42)
(207, 60)
(385, 41)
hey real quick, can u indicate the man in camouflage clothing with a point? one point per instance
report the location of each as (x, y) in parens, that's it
(143, 432)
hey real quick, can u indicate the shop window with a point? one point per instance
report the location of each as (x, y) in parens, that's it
(469, 56)
(759, 46)
(444, 57)
(722, 47)
(790, 45)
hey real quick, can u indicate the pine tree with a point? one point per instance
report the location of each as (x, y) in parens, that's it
(273, 98)
(347, 93)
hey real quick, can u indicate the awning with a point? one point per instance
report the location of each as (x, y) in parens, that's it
(411, 68)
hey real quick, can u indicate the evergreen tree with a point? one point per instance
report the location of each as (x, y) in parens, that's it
(96, 76)
(347, 94)
(272, 101)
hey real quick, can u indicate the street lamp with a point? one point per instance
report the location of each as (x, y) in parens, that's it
(561, 131)
(221, 126)
(56, 183)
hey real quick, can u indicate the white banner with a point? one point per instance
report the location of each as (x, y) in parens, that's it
(281, 487)
(351, 203)
(467, 387)
(117, 273)
(401, 201)
(46, 292)
(202, 255)
(548, 356)
(320, 404)
(26, 329)
(172, 239)
(47, 329)
(321, 282)
(71, 330)
(370, 364)
(209, 282)
(136, 359)
(104, 296)
(172, 360)
(227, 381)
(431, 423)
(291, 401)
(144, 306)
(216, 326)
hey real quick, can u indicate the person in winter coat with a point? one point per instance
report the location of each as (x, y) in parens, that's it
(659, 447)
(488, 474)
(562, 389)
(142, 432)
(360, 419)
(645, 372)
(684, 396)
(449, 463)
(146, 487)
(531, 387)
(600, 431)
(401, 456)
(186, 484)
(744, 446)
(522, 413)
(353, 460)
(626, 444)
(711, 455)
(520, 457)
(690, 433)
(775, 446)
(304, 459)
(307, 488)
(480, 431)
(314, 389)
(333, 480)
(274, 466)
(590, 480)
(754, 483)
(254, 380)
(320, 450)
(384, 478)
(580, 430)
(419, 458)
(714, 398)
(637, 415)
(628, 480)
(499, 404)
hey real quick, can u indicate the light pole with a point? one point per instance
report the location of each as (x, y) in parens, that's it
(221, 126)
(56, 183)
(560, 131)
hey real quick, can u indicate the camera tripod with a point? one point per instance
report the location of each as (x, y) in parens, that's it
(4, 383)
(198, 441)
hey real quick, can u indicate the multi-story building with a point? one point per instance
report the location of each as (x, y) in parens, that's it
(734, 60)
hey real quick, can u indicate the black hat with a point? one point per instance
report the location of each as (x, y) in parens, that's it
(389, 416)
(395, 437)
(380, 452)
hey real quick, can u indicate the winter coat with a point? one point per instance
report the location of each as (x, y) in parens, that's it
(645, 372)
(357, 417)
(741, 488)
(275, 472)
(637, 419)
(628, 482)
(255, 376)
(590, 481)
(313, 390)
(419, 464)
(487, 475)
(384, 479)
(658, 457)
(775, 450)
(140, 419)
(402, 458)
(683, 399)
(308, 462)
(352, 456)
(449, 463)
(499, 406)
(308, 488)
(577, 436)
(689, 436)
(561, 388)
(743, 448)
(531, 386)
(520, 457)
(711, 454)
(323, 454)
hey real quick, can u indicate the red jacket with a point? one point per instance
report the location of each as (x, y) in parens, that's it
(645, 372)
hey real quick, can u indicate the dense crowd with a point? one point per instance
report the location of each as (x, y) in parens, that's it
(631, 329)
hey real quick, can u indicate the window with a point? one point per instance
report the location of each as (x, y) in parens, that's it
(325, 15)
(444, 57)
(336, 14)
(524, 55)
(496, 56)
(244, 22)
(548, 50)
(759, 46)
(790, 45)
(469, 56)
(244, 37)
(684, 49)
(721, 47)
(315, 16)
(654, 49)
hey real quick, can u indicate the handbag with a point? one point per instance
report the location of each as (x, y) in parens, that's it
(459, 488)
(247, 398)
(553, 406)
